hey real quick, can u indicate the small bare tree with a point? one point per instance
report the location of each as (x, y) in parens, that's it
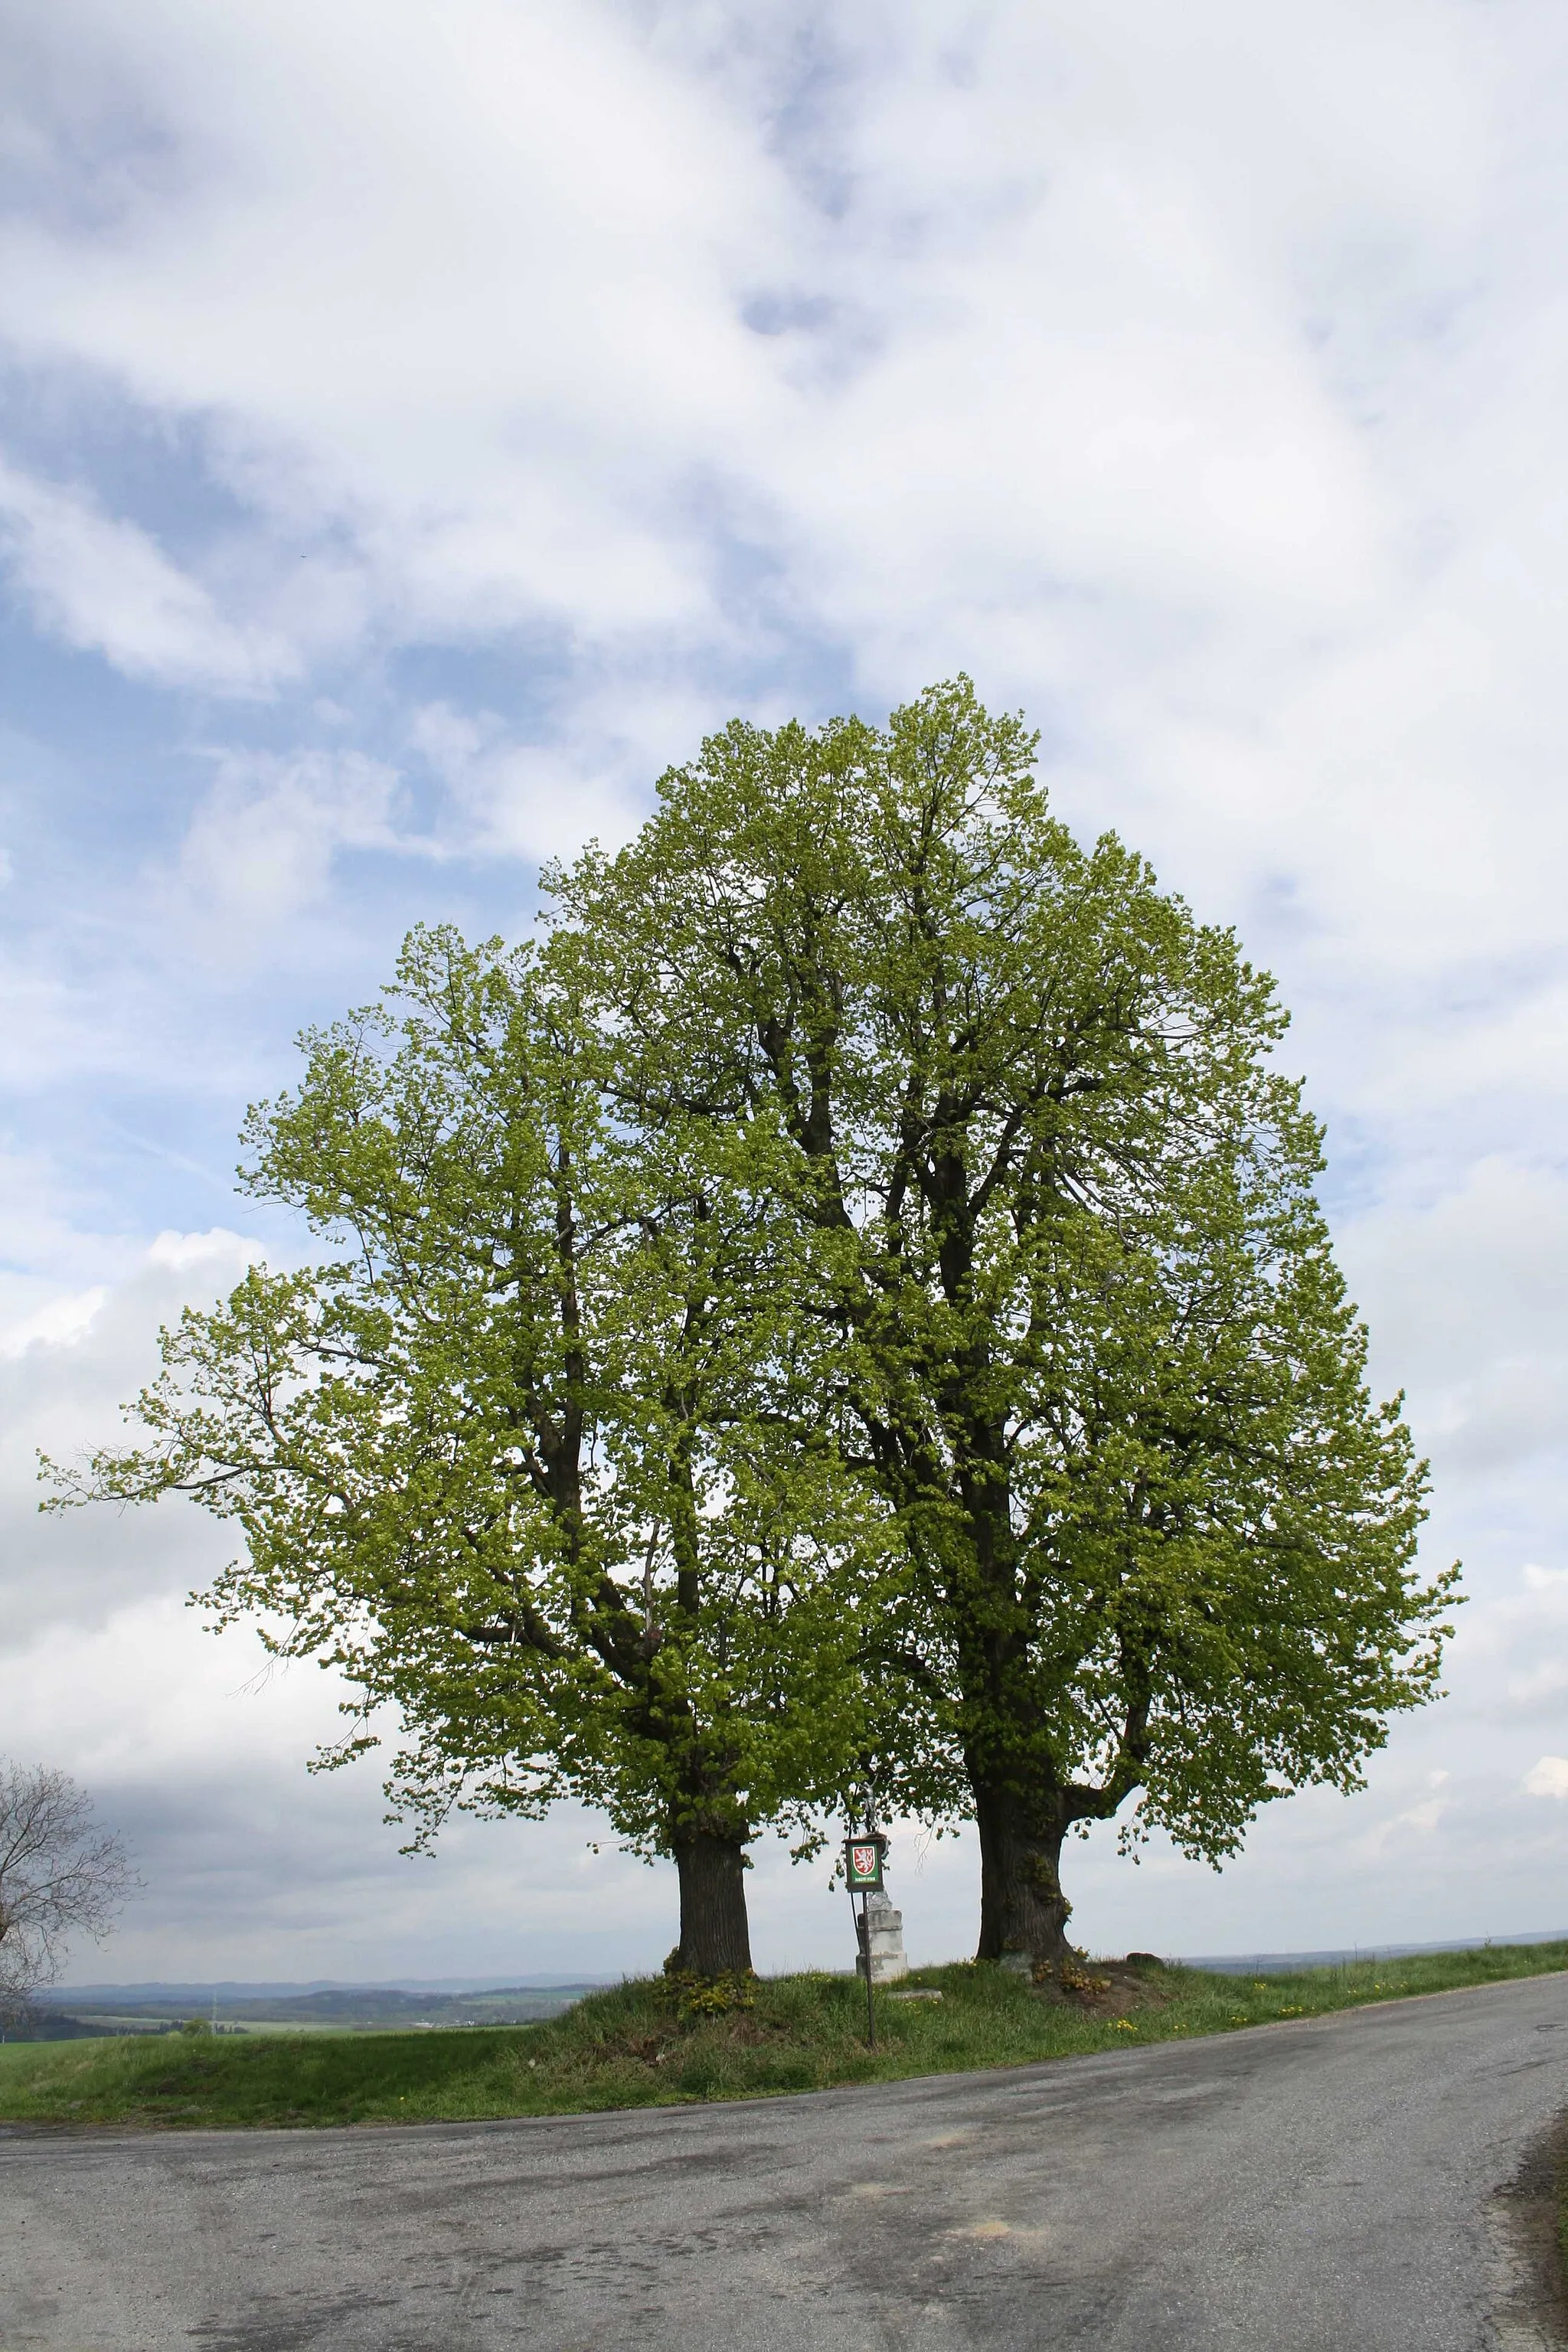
(59, 1875)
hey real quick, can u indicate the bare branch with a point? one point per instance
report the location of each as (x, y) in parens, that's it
(59, 1875)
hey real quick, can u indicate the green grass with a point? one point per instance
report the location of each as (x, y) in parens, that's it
(631, 2046)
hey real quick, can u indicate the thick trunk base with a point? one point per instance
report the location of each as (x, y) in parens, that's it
(1023, 1911)
(715, 1939)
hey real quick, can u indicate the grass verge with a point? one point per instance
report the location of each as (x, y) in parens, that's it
(640, 2044)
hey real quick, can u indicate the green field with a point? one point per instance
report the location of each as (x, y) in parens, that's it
(648, 2043)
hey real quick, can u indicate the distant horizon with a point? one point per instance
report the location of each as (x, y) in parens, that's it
(282, 1988)
(279, 1988)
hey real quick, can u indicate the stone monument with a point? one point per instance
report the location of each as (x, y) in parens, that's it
(881, 1932)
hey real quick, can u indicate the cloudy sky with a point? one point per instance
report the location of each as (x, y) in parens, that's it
(422, 423)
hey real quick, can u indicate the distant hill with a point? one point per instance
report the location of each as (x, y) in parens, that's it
(1248, 1964)
(286, 1989)
(108, 2009)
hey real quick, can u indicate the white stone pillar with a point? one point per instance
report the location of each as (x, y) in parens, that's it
(881, 1932)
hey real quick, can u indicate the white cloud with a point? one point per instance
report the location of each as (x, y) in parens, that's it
(66, 1366)
(1549, 1778)
(59, 1322)
(51, 1260)
(260, 847)
(534, 800)
(105, 585)
(459, 287)
(1464, 1298)
(536, 386)
(1188, 380)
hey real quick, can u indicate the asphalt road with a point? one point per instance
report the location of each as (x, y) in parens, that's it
(1344, 2184)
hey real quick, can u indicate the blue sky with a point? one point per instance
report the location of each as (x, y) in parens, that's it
(420, 425)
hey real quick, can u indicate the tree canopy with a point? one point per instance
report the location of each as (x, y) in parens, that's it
(1095, 1358)
(854, 1301)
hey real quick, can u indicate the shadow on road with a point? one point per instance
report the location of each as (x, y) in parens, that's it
(1530, 2310)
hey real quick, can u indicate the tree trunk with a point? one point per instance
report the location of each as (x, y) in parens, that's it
(1023, 1911)
(714, 1939)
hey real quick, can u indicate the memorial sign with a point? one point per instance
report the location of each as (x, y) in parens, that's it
(863, 1857)
(863, 1863)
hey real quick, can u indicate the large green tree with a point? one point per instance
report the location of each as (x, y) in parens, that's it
(528, 1457)
(1093, 1352)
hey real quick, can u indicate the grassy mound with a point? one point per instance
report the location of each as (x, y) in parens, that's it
(653, 2042)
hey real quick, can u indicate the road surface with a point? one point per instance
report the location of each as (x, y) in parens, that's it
(1344, 2184)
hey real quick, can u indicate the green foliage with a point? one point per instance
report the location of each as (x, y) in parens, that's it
(632, 2047)
(528, 1457)
(853, 1310)
(1095, 1355)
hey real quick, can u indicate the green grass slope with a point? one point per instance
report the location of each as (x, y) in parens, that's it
(653, 2043)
